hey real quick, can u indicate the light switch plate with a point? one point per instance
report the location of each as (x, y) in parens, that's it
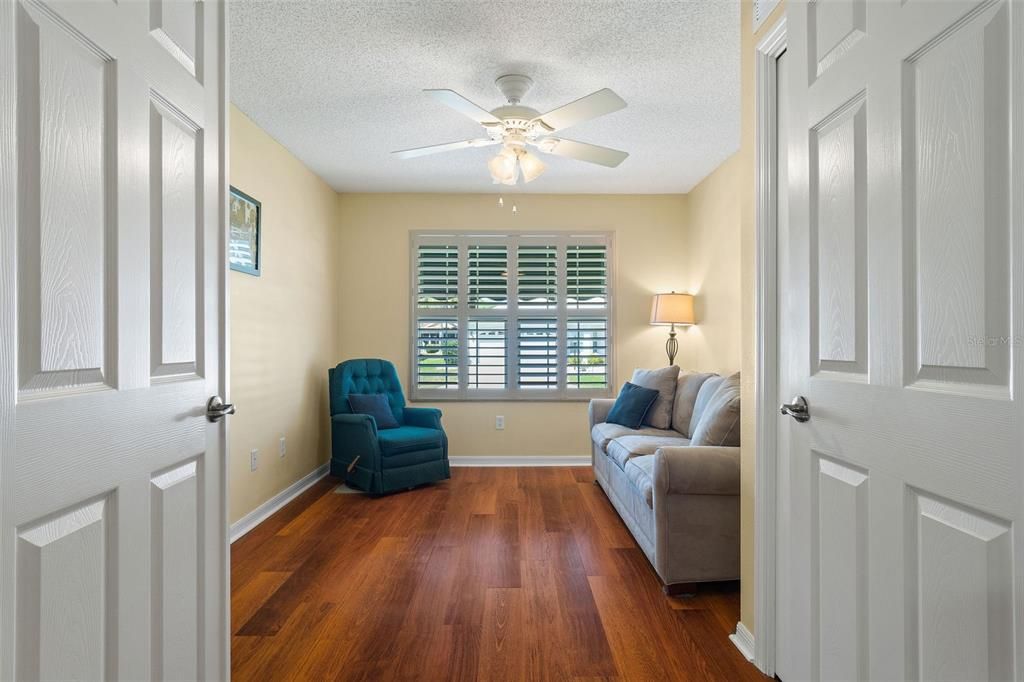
(499, 422)
(253, 459)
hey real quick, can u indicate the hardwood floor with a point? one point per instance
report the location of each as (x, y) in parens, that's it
(497, 574)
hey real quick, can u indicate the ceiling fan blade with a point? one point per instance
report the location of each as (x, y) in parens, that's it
(593, 105)
(463, 106)
(446, 147)
(582, 151)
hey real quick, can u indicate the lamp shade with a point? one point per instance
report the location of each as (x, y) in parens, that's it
(672, 308)
(530, 166)
(504, 168)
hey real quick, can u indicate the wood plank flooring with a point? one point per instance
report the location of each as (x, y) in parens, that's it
(497, 574)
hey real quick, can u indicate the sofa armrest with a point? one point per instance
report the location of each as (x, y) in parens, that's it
(427, 417)
(599, 409)
(355, 421)
(354, 435)
(702, 470)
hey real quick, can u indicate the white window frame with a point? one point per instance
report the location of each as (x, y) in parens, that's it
(462, 312)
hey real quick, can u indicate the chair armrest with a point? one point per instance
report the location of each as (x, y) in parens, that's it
(599, 409)
(354, 435)
(701, 470)
(427, 417)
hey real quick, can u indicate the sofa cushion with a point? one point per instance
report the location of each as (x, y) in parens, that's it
(640, 472)
(720, 421)
(664, 382)
(625, 448)
(686, 395)
(631, 405)
(604, 433)
(707, 389)
(407, 439)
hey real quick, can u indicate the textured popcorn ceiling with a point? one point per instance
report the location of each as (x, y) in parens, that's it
(338, 83)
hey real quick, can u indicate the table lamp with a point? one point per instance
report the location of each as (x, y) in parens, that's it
(672, 309)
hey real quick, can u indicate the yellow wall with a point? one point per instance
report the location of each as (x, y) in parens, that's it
(748, 259)
(372, 263)
(283, 324)
(713, 271)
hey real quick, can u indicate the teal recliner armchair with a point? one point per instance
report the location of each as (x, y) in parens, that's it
(388, 459)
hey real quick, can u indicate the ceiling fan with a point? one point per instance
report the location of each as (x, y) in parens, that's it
(515, 127)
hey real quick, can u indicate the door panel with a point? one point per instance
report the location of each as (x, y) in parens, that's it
(177, 508)
(63, 218)
(113, 534)
(956, 172)
(61, 613)
(838, 240)
(177, 27)
(960, 573)
(902, 325)
(841, 520)
(175, 153)
(832, 29)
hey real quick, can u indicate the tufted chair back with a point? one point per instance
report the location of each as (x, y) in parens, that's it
(367, 376)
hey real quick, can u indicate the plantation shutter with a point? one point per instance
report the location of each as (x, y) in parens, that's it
(586, 276)
(437, 353)
(538, 353)
(488, 276)
(587, 354)
(538, 277)
(487, 351)
(510, 316)
(437, 277)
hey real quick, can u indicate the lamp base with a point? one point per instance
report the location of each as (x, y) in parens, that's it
(672, 346)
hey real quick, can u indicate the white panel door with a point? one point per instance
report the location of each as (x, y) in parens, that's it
(902, 318)
(113, 534)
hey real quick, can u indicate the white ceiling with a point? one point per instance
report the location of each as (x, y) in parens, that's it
(338, 84)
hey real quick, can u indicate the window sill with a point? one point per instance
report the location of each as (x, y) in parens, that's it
(582, 398)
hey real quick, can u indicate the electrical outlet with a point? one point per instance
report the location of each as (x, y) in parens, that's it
(282, 447)
(253, 459)
(499, 422)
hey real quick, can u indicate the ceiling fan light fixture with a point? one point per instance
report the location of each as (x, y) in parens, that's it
(504, 167)
(531, 166)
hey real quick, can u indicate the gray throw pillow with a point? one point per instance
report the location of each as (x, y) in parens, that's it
(707, 389)
(720, 423)
(664, 382)
(686, 396)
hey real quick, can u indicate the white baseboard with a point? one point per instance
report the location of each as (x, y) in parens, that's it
(744, 641)
(265, 510)
(520, 461)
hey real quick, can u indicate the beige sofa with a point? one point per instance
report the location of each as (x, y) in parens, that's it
(680, 499)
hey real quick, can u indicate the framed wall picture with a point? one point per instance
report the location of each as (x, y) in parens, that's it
(244, 253)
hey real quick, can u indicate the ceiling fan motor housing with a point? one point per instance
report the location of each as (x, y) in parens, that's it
(517, 120)
(514, 86)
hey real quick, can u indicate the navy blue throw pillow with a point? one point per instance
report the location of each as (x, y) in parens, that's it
(631, 405)
(377, 406)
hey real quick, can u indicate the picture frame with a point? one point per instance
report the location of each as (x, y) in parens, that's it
(245, 248)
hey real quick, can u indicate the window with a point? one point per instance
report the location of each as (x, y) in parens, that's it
(511, 316)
